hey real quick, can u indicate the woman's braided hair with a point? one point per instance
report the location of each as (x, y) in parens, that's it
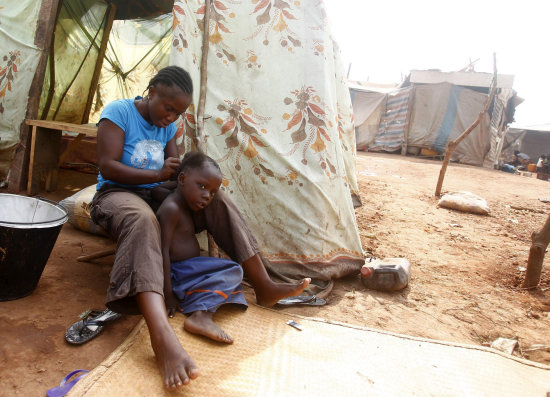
(173, 75)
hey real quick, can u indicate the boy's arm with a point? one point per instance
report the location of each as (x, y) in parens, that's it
(168, 216)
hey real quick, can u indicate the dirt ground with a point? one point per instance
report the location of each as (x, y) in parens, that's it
(466, 270)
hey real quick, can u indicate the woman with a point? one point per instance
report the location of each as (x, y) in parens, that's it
(136, 151)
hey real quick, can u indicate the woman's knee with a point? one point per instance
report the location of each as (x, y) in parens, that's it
(129, 212)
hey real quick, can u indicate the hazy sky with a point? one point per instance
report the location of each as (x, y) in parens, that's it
(385, 39)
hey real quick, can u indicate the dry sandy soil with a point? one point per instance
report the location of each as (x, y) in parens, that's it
(466, 270)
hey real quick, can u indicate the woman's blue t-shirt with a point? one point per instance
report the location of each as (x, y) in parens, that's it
(143, 143)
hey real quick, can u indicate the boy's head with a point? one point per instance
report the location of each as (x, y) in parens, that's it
(170, 94)
(199, 178)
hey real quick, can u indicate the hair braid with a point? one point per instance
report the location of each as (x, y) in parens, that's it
(196, 160)
(173, 75)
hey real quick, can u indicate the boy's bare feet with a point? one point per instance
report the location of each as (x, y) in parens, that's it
(268, 295)
(201, 323)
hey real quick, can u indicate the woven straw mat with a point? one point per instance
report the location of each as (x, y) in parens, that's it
(271, 358)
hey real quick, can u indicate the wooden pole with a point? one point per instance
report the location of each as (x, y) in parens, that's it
(407, 122)
(51, 88)
(99, 62)
(453, 144)
(97, 255)
(42, 40)
(200, 139)
(539, 244)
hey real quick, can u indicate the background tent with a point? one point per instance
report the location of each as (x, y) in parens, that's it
(532, 140)
(441, 113)
(369, 105)
(432, 108)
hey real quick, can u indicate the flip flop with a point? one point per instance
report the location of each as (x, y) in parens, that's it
(90, 325)
(308, 300)
(64, 386)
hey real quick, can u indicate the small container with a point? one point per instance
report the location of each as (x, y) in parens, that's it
(389, 274)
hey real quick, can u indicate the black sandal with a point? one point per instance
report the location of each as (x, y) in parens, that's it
(302, 300)
(91, 323)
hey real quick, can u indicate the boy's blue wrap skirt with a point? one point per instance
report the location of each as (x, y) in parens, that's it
(206, 283)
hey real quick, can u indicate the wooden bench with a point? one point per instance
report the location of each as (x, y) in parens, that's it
(45, 156)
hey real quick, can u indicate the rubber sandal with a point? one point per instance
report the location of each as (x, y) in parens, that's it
(64, 386)
(90, 325)
(307, 300)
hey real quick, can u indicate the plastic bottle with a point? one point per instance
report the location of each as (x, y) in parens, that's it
(389, 274)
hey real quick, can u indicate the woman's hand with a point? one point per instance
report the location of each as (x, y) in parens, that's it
(169, 168)
(172, 303)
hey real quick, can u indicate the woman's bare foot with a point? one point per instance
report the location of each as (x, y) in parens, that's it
(268, 295)
(268, 292)
(176, 365)
(201, 323)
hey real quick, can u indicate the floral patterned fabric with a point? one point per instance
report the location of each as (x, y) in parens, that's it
(18, 62)
(279, 121)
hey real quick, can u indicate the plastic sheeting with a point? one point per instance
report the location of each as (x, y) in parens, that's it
(368, 108)
(137, 49)
(393, 124)
(279, 121)
(78, 34)
(18, 62)
(498, 118)
(441, 112)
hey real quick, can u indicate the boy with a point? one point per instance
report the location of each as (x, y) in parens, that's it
(197, 285)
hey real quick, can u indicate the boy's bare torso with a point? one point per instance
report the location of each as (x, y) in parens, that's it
(184, 243)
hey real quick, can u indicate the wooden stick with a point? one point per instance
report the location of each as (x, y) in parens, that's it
(200, 139)
(42, 40)
(453, 144)
(407, 123)
(515, 207)
(51, 88)
(539, 244)
(30, 187)
(97, 255)
(99, 62)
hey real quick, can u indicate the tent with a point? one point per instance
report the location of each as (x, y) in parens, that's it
(52, 54)
(278, 115)
(532, 140)
(432, 108)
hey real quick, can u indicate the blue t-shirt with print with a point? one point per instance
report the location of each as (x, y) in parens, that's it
(143, 143)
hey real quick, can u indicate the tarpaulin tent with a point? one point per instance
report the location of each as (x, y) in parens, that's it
(532, 140)
(432, 108)
(19, 58)
(51, 55)
(279, 119)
